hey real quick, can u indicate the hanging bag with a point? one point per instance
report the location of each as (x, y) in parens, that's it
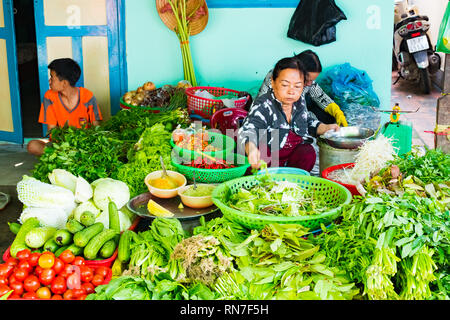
(314, 22)
(443, 43)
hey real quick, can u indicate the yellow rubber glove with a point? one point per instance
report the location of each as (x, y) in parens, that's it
(334, 110)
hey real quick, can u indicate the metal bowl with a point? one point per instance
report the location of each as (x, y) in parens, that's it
(347, 137)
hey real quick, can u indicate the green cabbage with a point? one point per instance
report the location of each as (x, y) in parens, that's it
(85, 206)
(103, 217)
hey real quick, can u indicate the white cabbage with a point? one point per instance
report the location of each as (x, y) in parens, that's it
(63, 178)
(107, 190)
(34, 193)
(83, 190)
(48, 217)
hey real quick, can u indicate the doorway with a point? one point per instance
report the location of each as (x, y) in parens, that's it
(27, 66)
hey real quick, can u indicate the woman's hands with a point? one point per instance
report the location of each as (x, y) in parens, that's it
(254, 155)
(322, 128)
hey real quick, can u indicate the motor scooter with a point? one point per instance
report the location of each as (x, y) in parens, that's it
(413, 53)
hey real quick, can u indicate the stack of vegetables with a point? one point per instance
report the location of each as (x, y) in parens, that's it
(119, 148)
(385, 246)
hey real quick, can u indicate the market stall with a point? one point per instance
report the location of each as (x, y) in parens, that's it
(149, 205)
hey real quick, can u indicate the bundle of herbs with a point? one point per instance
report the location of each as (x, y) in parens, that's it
(383, 243)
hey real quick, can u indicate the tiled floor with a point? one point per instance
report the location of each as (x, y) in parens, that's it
(409, 97)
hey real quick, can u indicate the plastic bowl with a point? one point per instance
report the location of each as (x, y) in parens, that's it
(352, 188)
(195, 202)
(284, 170)
(165, 193)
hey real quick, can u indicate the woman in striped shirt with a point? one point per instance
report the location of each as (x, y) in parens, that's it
(279, 129)
(317, 101)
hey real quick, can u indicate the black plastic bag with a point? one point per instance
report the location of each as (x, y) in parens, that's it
(314, 22)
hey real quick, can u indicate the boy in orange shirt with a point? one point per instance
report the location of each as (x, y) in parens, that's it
(64, 102)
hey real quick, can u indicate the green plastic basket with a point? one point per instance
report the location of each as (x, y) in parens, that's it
(333, 193)
(223, 143)
(214, 175)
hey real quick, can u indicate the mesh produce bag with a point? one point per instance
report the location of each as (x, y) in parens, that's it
(34, 193)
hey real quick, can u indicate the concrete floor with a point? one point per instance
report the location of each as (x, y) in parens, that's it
(15, 161)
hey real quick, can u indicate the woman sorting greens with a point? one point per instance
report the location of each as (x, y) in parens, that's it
(279, 128)
(317, 101)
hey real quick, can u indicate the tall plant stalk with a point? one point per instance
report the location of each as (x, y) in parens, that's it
(182, 30)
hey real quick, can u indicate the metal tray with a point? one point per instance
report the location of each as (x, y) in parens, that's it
(138, 205)
(347, 137)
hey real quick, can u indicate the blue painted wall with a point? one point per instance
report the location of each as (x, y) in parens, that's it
(239, 45)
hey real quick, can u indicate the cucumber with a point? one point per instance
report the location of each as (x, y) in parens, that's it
(74, 226)
(81, 238)
(61, 249)
(114, 220)
(36, 237)
(19, 241)
(107, 250)
(51, 245)
(63, 237)
(123, 253)
(87, 218)
(14, 227)
(94, 245)
(76, 250)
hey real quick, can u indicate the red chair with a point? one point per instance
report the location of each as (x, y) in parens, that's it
(227, 118)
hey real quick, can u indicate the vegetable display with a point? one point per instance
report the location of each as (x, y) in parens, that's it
(207, 163)
(34, 275)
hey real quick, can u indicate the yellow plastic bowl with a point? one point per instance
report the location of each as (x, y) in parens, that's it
(165, 193)
(195, 202)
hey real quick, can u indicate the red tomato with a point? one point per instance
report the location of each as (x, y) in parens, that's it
(74, 281)
(37, 270)
(78, 261)
(23, 254)
(58, 285)
(102, 270)
(68, 295)
(46, 260)
(56, 297)
(31, 283)
(4, 289)
(58, 266)
(89, 287)
(34, 258)
(86, 274)
(97, 280)
(77, 293)
(43, 293)
(67, 256)
(12, 261)
(6, 270)
(20, 274)
(17, 287)
(24, 264)
(12, 278)
(30, 295)
(4, 280)
(46, 277)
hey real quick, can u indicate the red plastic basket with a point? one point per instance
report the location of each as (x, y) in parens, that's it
(350, 187)
(205, 107)
(92, 263)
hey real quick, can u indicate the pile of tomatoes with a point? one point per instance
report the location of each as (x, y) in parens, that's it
(34, 275)
(198, 141)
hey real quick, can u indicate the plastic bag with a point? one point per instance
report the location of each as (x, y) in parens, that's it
(352, 90)
(346, 84)
(443, 43)
(314, 22)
